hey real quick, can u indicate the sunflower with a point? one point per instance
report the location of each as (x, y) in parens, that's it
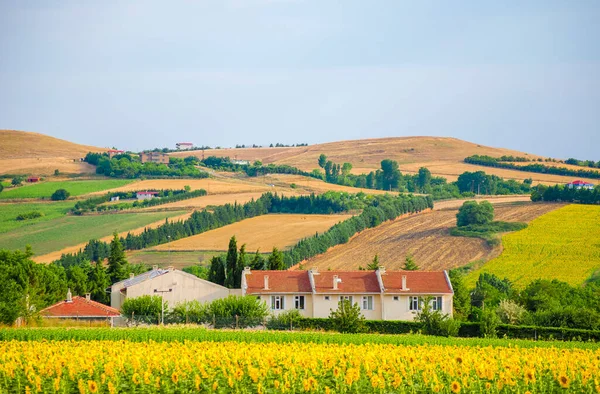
(455, 387)
(93, 386)
(136, 378)
(564, 381)
(175, 377)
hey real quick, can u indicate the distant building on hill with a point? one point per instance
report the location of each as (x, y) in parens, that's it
(154, 157)
(240, 162)
(184, 145)
(80, 308)
(113, 152)
(145, 195)
(33, 179)
(580, 185)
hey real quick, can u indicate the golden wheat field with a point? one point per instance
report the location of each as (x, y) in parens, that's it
(261, 232)
(563, 244)
(424, 236)
(317, 186)
(239, 367)
(217, 199)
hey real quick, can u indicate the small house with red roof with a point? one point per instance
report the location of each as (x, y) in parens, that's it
(33, 179)
(114, 152)
(579, 184)
(80, 308)
(381, 295)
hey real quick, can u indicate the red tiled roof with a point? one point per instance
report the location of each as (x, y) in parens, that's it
(80, 307)
(416, 282)
(352, 282)
(279, 282)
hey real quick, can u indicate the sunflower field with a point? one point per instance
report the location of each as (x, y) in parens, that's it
(297, 367)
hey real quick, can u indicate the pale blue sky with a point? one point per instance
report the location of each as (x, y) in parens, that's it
(141, 74)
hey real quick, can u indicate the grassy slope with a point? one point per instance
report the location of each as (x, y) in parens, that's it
(563, 244)
(76, 188)
(8, 213)
(59, 233)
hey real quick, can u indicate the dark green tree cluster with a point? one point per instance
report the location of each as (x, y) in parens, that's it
(480, 183)
(563, 193)
(583, 163)
(60, 195)
(127, 166)
(256, 169)
(536, 167)
(474, 213)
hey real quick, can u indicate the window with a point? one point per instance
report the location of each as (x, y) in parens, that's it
(367, 303)
(277, 303)
(396, 298)
(326, 298)
(299, 302)
(349, 298)
(436, 303)
(414, 303)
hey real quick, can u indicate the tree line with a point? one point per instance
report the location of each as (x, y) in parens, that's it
(562, 193)
(489, 161)
(128, 166)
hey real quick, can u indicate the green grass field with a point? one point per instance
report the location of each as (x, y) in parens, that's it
(563, 244)
(76, 188)
(175, 259)
(8, 213)
(54, 235)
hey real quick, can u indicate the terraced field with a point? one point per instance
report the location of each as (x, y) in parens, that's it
(262, 232)
(425, 236)
(563, 244)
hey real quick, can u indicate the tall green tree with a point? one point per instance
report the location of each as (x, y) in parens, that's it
(390, 174)
(275, 260)
(216, 273)
(322, 160)
(409, 264)
(99, 282)
(373, 265)
(462, 297)
(231, 263)
(241, 263)
(424, 180)
(77, 277)
(472, 213)
(258, 262)
(117, 263)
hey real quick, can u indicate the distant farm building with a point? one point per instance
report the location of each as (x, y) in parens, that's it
(34, 179)
(184, 145)
(580, 185)
(113, 152)
(154, 157)
(241, 162)
(80, 308)
(114, 198)
(145, 195)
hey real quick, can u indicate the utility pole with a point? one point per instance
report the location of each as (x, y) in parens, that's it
(162, 304)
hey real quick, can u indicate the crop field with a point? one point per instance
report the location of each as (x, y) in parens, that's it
(339, 364)
(76, 188)
(563, 244)
(165, 258)
(317, 186)
(261, 232)
(54, 235)
(9, 211)
(218, 199)
(212, 186)
(424, 236)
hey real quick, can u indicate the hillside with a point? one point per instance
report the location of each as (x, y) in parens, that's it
(442, 155)
(425, 237)
(23, 152)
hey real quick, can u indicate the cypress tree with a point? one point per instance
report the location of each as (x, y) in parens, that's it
(231, 263)
(241, 263)
(275, 261)
(99, 282)
(217, 270)
(409, 264)
(117, 263)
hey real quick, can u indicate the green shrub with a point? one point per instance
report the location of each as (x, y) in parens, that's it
(489, 324)
(347, 318)
(60, 194)
(29, 215)
(191, 312)
(436, 323)
(284, 321)
(473, 213)
(145, 306)
(237, 311)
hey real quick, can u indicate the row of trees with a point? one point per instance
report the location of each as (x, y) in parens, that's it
(489, 161)
(562, 193)
(127, 166)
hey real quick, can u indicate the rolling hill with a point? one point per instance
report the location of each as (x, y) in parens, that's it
(23, 152)
(442, 155)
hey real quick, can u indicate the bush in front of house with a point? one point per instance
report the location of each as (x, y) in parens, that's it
(237, 311)
(60, 194)
(348, 318)
(287, 320)
(144, 307)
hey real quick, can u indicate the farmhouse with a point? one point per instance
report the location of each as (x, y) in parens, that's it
(114, 152)
(578, 184)
(80, 308)
(381, 295)
(184, 145)
(154, 157)
(240, 162)
(33, 179)
(145, 195)
(173, 285)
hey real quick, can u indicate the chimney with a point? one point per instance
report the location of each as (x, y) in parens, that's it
(404, 282)
(247, 269)
(154, 267)
(336, 280)
(131, 275)
(381, 270)
(88, 296)
(69, 296)
(266, 282)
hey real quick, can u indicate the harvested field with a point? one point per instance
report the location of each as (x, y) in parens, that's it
(443, 156)
(23, 152)
(262, 232)
(317, 186)
(425, 236)
(80, 232)
(455, 204)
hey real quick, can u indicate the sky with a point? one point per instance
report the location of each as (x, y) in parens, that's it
(141, 74)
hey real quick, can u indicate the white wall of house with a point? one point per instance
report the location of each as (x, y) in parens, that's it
(399, 309)
(289, 303)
